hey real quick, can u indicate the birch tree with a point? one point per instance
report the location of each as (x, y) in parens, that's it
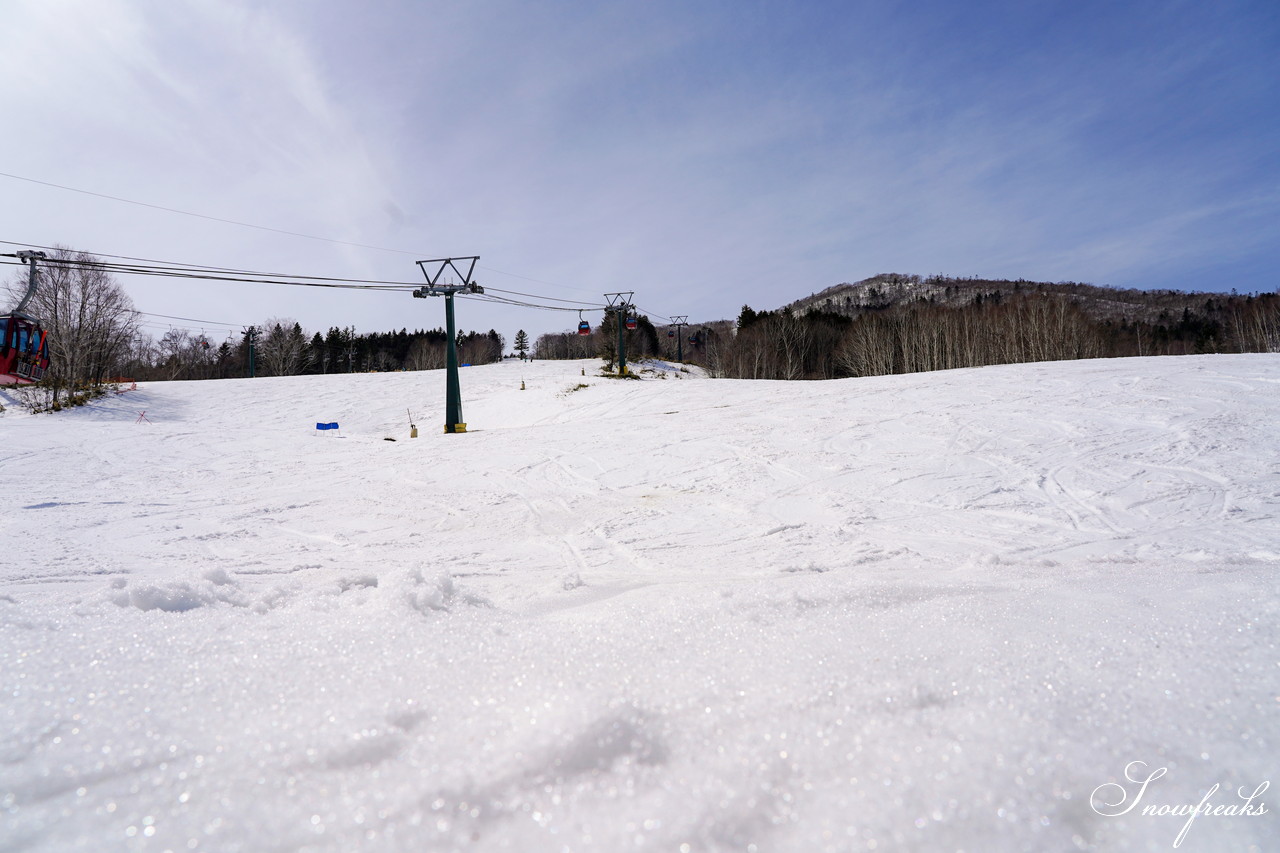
(282, 349)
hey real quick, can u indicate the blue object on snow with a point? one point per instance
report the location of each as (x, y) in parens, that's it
(333, 425)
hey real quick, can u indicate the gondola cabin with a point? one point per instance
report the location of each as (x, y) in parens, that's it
(631, 322)
(584, 328)
(671, 333)
(24, 350)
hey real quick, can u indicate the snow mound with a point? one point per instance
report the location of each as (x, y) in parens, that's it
(427, 593)
(215, 587)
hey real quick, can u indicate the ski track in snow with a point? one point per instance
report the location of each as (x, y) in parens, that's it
(900, 613)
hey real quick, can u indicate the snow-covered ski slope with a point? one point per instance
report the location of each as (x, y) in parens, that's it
(927, 612)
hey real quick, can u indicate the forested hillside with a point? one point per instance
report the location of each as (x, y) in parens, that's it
(906, 324)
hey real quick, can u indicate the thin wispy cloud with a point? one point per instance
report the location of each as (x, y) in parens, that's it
(703, 155)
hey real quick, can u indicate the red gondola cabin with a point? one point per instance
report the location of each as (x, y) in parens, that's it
(24, 352)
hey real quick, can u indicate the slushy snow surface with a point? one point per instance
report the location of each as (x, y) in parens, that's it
(927, 612)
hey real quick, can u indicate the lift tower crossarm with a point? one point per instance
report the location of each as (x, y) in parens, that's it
(433, 286)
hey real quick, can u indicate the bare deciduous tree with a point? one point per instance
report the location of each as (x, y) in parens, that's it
(282, 349)
(566, 346)
(425, 354)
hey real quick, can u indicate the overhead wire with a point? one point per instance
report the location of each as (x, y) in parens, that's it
(182, 265)
(121, 257)
(255, 226)
(202, 272)
(203, 216)
(215, 274)
(502, 300)
(208, 273)
(652, 314)
(539, 296)
(192, 320)
(185, 270)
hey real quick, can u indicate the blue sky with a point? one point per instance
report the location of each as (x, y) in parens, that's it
(702, 154)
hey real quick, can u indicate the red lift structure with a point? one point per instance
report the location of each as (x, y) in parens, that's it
(24, 347)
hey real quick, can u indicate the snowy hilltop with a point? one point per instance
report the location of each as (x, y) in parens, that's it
(972, 609)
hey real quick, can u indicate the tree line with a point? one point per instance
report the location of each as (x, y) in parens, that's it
(644, 341)
(281, 347)
(991, 327)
